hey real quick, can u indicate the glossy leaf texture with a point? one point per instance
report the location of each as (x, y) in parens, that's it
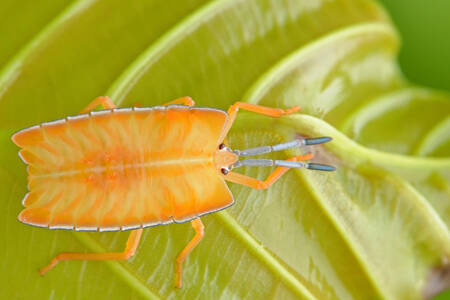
(377, 228)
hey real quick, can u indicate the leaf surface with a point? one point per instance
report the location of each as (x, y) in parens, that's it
(374, 229)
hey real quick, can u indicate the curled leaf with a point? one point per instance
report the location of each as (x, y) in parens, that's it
(377, 228)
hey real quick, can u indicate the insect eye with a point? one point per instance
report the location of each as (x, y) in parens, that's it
(221, 146)
(224, 171)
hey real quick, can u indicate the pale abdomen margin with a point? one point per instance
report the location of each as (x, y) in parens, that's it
(123, 169)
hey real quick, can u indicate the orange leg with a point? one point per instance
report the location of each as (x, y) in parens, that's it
(198, 227)
(130, 250)
(183, 100)
(263, 110)
(104, 101)
(273, 177)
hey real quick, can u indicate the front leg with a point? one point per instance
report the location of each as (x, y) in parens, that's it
(259, 109)
(271, 179)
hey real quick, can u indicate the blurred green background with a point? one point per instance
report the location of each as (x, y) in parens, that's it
(424, 58)
(425, 55)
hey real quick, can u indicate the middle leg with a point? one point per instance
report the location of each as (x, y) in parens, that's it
(199, 232)
(183, 100)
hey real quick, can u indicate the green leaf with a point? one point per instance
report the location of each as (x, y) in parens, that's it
(19, 22)
(377, 228)
(370, 124)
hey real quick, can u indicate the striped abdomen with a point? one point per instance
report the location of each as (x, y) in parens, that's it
(123, 168)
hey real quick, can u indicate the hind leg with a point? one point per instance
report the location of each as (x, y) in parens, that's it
(130, 250)
(183, 100)
(104, 101)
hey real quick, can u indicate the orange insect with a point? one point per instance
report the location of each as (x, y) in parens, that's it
(131, 168)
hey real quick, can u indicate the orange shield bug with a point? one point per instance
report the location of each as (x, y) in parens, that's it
(131, 168)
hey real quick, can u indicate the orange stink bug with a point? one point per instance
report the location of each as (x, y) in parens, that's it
(131, 168)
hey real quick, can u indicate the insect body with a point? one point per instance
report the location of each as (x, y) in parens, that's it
(130, 168)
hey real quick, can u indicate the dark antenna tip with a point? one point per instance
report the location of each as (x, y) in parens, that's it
(320, 167)
(316, 141)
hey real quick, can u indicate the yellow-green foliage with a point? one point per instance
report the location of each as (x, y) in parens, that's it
(374, 229)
